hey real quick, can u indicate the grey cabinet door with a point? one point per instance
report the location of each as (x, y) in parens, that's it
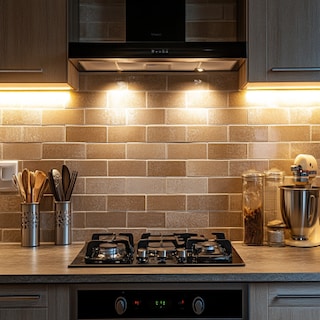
(284, 40)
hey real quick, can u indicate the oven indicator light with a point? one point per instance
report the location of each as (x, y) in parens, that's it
(136, 303)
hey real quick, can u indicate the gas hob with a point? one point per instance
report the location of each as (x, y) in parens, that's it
(175, 249)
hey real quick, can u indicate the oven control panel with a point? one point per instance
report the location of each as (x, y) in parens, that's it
(161, 304)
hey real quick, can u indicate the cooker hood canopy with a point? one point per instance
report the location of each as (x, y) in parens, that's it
(156, 40)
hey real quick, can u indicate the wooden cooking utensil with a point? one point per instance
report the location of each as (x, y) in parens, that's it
(40, 179)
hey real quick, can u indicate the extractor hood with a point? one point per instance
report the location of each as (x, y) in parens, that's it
(156, 39)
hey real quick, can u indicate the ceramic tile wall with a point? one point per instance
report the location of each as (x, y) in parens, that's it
(163, 154)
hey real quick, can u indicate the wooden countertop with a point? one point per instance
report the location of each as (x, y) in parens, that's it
(48, 263)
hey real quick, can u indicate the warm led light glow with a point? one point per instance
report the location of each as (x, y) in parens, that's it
(284, 97)
(35, 99)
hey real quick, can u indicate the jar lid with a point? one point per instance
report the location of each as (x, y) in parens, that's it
(252, 174)
(274, 174)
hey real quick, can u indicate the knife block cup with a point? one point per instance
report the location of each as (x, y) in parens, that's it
(63, 223)
(30, 224)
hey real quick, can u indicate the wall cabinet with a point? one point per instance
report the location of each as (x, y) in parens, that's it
(283, 41)
(33, 42)
(285, 301)
(34, 302)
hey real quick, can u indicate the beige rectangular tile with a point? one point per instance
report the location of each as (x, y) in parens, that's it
(206, 99)
(106, 151)
(166, 202)
(166, 100)
(207, 168)
(166, 134)
(226, 219)
(105, 219)
(105, 185)
(145, 116)
(224, 185)
(105, 116)
(147, 82)
(44, 134)
(126, 203)
(207, 202)
(126, 99)
(89, 203)
(187, 116)
(187, 151)
(10, 220)
(269, 150)
(63, 117)
(127, 134)
(227, 151)
(238, 167)
(127, 168)
(248, 133)
(188, 82)
(225, 116)
(89, 167)
(187, 219)
(86, 134)
(21, 117)
(187, 185)
(166, 168)
(206, 133)
(289, 133)
(309, 148)
(146, 151)
(63, 151)
(268, 116)
(22, 151)
(12, 134)
(146, 185)
(146, 219)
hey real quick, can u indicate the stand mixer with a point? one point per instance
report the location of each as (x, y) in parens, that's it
(300, 204)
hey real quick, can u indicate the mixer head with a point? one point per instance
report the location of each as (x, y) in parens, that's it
(304, 169)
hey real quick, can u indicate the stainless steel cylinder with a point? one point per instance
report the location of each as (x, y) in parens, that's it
(299, 209)
(30, 225)
(63, 223)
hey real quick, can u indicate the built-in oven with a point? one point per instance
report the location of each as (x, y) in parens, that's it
(159, 301)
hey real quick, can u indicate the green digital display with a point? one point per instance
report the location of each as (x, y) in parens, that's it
(160, 304)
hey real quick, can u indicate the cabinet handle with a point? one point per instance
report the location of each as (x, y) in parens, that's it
(297, 296)
(295, 69)
(21, 70)
(5, 298)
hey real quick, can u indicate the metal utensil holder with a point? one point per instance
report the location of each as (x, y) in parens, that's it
(30, 224)
(63, 223)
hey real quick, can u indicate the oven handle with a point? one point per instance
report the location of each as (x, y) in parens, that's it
(297, 296)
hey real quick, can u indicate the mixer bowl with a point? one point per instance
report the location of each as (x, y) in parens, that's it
(299, 209)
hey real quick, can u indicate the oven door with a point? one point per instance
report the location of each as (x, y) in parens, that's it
(159, 301)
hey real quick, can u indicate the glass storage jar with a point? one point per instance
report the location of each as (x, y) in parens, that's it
(252, 206)
(272, 212)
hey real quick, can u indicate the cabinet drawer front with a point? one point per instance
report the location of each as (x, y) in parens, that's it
(302, 295)
(23, 296)
(23, 314)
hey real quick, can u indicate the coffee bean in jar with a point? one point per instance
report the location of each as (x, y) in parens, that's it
(252, 207)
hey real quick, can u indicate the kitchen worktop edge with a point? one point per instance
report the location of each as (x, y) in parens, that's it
(49, 264)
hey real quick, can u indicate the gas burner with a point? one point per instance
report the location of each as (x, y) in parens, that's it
(109, 248)
(175, 249)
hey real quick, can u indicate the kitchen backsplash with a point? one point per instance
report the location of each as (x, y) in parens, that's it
(155, 151)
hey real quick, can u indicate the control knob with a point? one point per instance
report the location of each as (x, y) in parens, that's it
(198, 305)
(120, 305)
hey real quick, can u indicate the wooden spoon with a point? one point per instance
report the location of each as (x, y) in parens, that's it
(26, 184)
(21, 187)
(40, 179)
